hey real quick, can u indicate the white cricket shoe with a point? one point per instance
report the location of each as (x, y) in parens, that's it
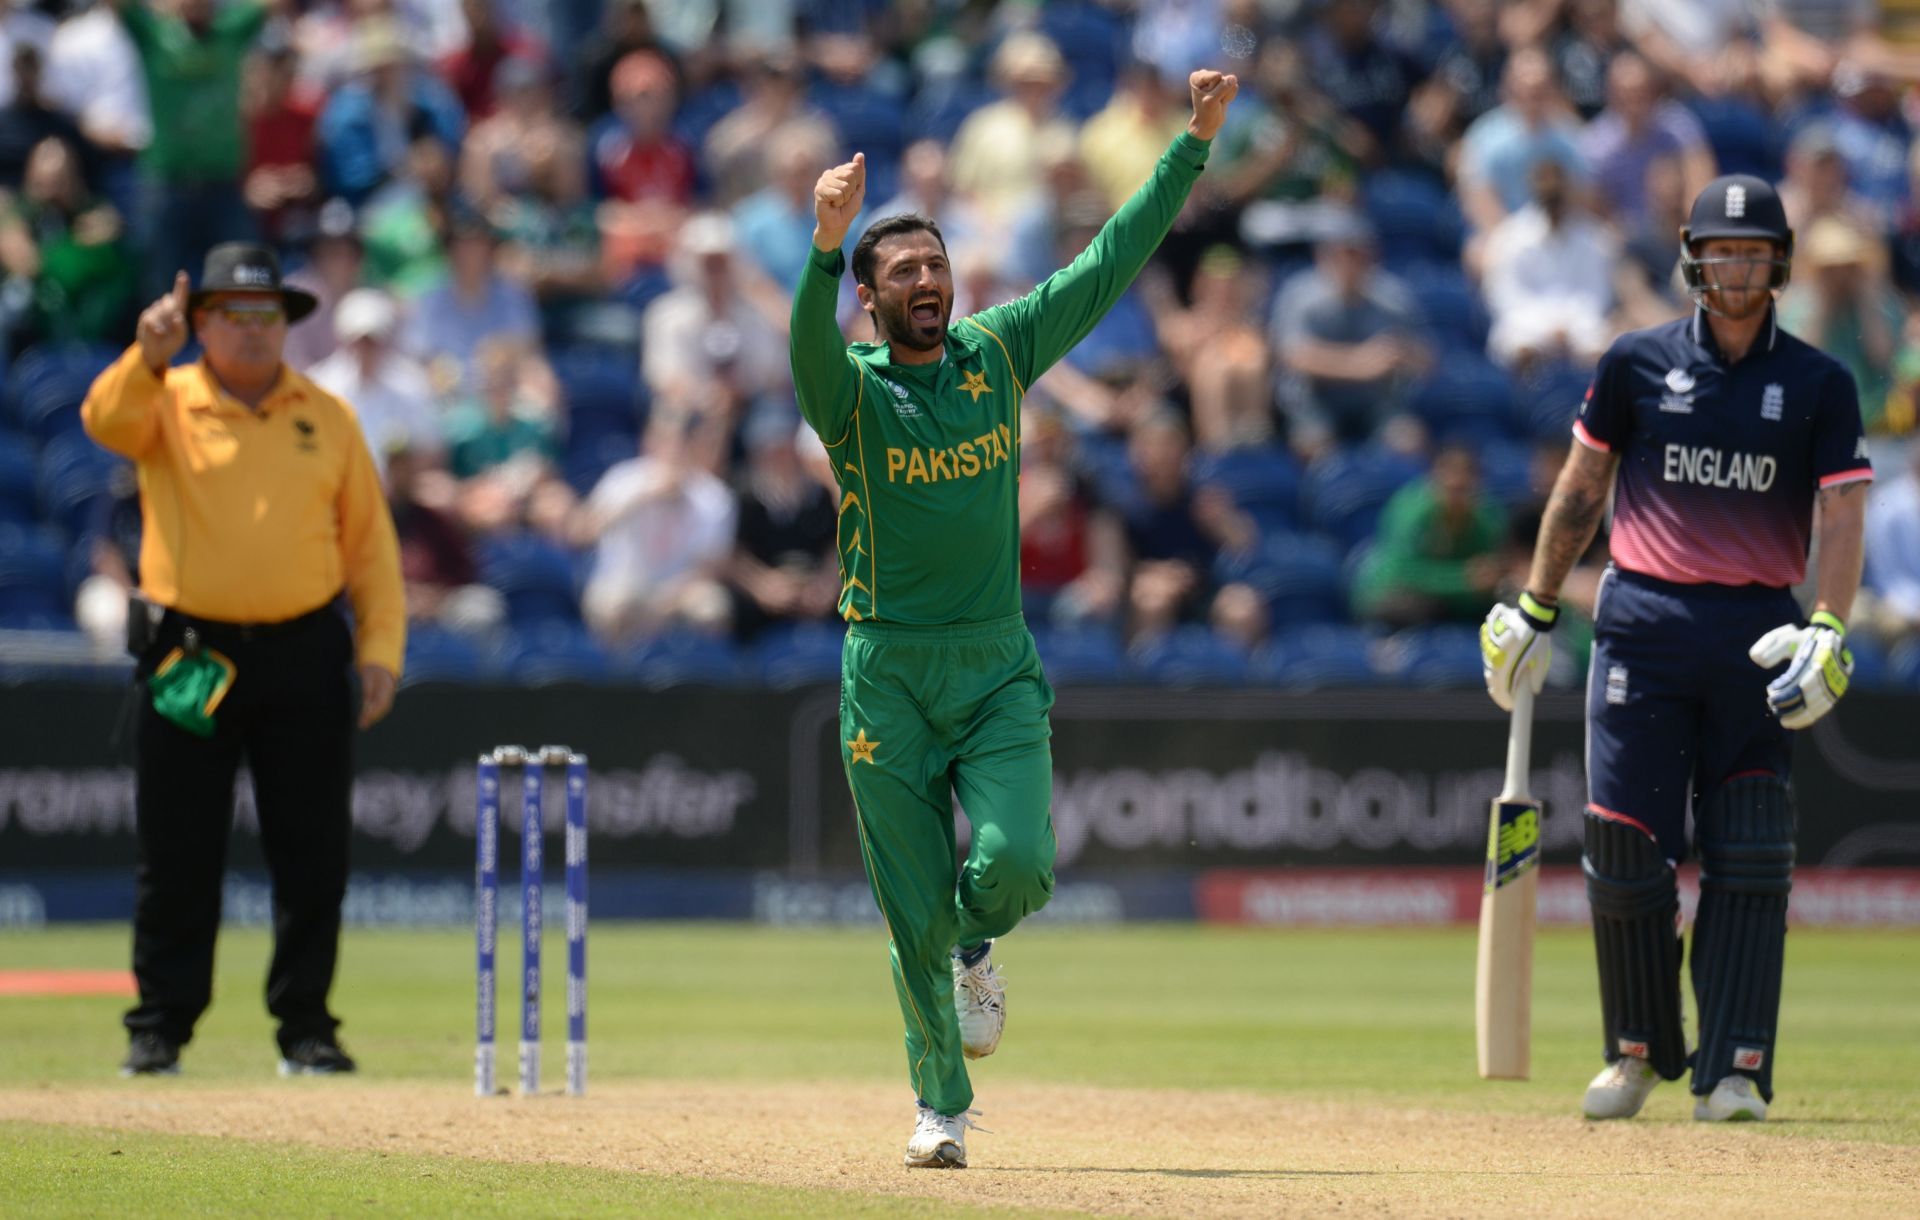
(1620, 1089)
(1734, 1100)
(980, 1000)
(939, 1140)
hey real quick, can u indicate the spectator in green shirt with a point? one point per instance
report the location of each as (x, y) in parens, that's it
(1436, 555)
(64, 270)
(192, 57)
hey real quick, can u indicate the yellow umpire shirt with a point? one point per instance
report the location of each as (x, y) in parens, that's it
(254, 516)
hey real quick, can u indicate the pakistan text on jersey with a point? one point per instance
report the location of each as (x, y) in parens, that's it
(962, 461)
(1709, 467)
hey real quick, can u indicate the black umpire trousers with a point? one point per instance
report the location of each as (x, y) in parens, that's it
(290, 716)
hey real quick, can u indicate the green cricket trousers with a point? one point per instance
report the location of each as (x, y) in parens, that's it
(927, 714)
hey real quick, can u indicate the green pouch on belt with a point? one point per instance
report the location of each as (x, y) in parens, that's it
(188, 685)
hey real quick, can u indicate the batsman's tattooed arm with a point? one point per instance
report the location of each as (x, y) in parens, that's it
(1571, 519)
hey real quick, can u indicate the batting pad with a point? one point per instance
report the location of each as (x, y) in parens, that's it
(1740, 934)
(1636, 907)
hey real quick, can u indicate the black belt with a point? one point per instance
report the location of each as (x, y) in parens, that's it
(216, 629)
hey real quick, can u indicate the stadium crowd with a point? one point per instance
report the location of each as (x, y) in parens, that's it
(554, 241)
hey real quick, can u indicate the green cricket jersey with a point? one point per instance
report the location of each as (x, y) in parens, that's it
(928, 455)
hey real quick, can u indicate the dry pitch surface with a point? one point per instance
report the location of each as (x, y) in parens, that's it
(1124, 1152)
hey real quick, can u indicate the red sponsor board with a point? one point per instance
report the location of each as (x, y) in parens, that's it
(1822, 898)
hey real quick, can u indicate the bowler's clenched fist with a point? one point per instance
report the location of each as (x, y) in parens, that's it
(1211, 92)
(836, 201)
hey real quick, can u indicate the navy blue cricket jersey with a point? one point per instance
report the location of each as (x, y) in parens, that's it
(1719, 462)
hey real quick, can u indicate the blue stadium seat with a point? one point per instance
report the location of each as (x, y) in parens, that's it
(1903, 665)
(683, 658)
(1080, 656)
(1506, 470)
(1443, 655)
(1344, 491)
(1467, 397)
(1872, 668)
(585, 461)
(553, 651)
(74, 475)
(1299, 575)
(1192, 656)
(800, 655)
(1264, 480)
(32, 573)
(47, 384)
(602, 393)
(535, 576)
(435, 654)
(1417, 219)
(1318, 656)
(1453, 309)
(1550, 398)
(17, 506)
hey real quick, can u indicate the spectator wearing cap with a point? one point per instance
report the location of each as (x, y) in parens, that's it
(639, 166)
(1547, 273)
(1638, 125)
(390, 392)
(475, 305)
(473, 70)
(996, 152)
(661, 527)
(65, 270)
(1350, 342)
(93, 73)
(282, 112)
(30, 118)
(783, 568)
(719, 328)
(263, 509)
(336, 263)
(1844, 306)
(1216, 346)
(492, 161)
(1497, 154)
(192, 57)
(774, 225)
(367, 125)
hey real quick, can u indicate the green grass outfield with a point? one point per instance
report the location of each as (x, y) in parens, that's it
(1380, 1016)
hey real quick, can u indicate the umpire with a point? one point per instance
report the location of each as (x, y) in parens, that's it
(260, 506)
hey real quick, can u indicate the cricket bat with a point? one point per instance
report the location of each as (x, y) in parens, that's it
(1503, 983)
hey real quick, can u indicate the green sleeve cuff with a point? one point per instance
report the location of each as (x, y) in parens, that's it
(830, 261)
(1825, 618)
(1190, 150)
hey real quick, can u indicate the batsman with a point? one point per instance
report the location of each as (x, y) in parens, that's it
(942, 693)
(1729, 445)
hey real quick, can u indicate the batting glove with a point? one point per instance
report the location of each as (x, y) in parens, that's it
(1514, 647)
(1820, 670)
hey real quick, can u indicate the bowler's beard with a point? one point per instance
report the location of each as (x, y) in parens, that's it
(897, 325)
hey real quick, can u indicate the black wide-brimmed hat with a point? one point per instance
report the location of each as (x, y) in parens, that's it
(244, 266)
